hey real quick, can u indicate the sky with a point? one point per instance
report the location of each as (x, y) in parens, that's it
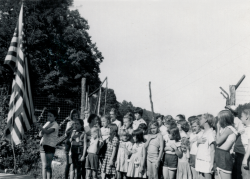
(187, 49)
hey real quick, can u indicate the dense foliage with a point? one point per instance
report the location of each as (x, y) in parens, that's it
(58, 47)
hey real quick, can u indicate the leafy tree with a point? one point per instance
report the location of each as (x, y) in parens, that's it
(58, 46)
(111, 101)
(125, 107)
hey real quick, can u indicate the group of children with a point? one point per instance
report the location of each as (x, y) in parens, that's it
(172, 148)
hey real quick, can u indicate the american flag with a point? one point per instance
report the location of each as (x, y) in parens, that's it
(21, 109)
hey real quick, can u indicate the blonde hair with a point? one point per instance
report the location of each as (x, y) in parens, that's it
(185, 141)
(123, 132)
(210, 119)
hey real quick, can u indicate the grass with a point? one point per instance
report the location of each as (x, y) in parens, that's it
(57, 170)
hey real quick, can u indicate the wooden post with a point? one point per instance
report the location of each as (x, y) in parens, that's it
(232, 94)
(105, 96)
(99, 101)
(83, 97)
(151, 102)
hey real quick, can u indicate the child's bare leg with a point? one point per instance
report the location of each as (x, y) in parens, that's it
(155, 171)
(119, 175)
(94, 174)
(172, 174)
(72, 171)
(195, 174)
(103, 175)
(165, 173)
(208, 175)
(88, 173)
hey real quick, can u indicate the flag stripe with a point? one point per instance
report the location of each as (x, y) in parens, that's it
(21, 109)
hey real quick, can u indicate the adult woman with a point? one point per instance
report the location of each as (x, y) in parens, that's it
(48, 142)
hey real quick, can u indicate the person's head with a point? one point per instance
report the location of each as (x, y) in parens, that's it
(245, 116)
(153, 127)
(86, 114)
(143, 127)
(94, 132)
(105, 120)
(226, 118)
(185, 144)
(52, 114)
(195, 124)
(159, 119)
(113, 113)
(170, 124)
(138, 136)
(180, 117)
(174, 134)
(138, 113)
(94, 121)
(183, 125)
(78, 125)
(207, 120)
(169, 117)
(128, 120)
(74, 114)
(191, 118)
(124, 135)
(113, 131)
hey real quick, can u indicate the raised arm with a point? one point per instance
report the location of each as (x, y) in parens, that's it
(221, 138)
(84, 147)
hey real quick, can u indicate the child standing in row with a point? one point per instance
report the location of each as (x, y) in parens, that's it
(78, 148)
(92, 160)
(125, 148)
(205, 153)
(172, 152)
(183, 170)
(196, 133)
(154, 147)
(136, 167)
(128, 123)
(108, 168)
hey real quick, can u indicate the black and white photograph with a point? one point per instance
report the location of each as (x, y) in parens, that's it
(124, 89)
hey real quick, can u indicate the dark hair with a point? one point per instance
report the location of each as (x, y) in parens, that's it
(246, 111)
(175, 134)
(143, 127)
(196, 120)
(81, 122)
(172, 124)
(94, 117)
(73, 111)
(191, 118)
(181, 116)
(184, 125)
(138, 133)
(53, 111)
(226, 118)
(169, 117)
(113, 131)
(155, 123)
(199, 116)
(114, 111)
(139, 111)
(159, 116)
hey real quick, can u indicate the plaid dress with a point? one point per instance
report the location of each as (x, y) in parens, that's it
(105, 165)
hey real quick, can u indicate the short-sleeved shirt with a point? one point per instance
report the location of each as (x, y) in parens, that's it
(242, 141)
(169, 143)
(203, 151)
(193, 150)
(136, 123)
(163, 130)
(245, 137)
(118, 123)
(50, 139)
